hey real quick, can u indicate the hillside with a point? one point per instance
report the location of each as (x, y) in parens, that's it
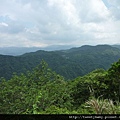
(68, 63)
(117, 46)
(42, 91)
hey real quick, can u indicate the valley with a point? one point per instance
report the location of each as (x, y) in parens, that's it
(69, 63)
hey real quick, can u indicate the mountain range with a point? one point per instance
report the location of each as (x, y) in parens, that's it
(15, 51)
(69, 63)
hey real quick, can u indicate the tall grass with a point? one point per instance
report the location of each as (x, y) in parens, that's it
(103, 106)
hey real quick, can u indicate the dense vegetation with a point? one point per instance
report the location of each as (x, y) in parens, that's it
(43, 91)
(69, 63)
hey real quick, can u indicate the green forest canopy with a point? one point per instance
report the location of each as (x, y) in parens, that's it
(43, 91)
(69, 63)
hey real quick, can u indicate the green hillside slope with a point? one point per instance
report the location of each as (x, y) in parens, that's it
(68, 63)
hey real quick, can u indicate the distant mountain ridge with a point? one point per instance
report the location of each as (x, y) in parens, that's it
(15, 51)
(69, 63)
(117, 46)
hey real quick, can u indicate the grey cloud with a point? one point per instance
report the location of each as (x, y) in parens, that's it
(12, 27)
(58, 22)
(115, 12)
(114, 7)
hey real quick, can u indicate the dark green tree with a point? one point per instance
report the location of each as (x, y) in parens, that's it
(114, 80)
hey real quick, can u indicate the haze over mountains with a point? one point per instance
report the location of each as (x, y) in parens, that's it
(69, 63)
(15, 51)
(21, 50)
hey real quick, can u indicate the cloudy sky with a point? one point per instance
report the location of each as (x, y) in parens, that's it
(59, 22)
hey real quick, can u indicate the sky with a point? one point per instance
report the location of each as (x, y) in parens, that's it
(40, 23)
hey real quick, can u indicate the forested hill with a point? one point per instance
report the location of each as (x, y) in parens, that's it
(68, 63)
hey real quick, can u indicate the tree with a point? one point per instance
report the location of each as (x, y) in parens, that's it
(114, 80)
(34, 92)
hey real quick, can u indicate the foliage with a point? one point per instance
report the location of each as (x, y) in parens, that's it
(33, 92)
(43, 91)
(113, 79)
(69, 63)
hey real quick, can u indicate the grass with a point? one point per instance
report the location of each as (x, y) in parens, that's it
(103, 106)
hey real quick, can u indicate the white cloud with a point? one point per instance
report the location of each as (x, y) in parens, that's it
(69, 11)
(47, 22)
(3, 24)
(92, 10)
